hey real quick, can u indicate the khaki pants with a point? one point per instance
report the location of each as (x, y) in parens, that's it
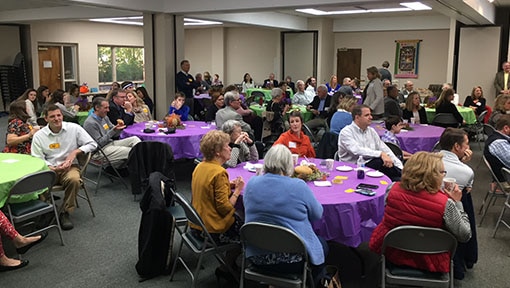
(118, 150)
(71, 180)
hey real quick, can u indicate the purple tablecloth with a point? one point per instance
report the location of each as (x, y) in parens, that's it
(348, 218)
(185, 143)
(421, 138)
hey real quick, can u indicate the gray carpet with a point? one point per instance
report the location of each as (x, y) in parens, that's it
(102, 251)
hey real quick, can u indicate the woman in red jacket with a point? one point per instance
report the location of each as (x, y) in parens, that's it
(295, 139)
(418, 200)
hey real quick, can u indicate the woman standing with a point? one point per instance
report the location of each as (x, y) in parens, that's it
(243, 148)
(373, 95)
(445, 105)
(142, 111)
(247, 82)
(476, 101)
(295, 139)
(19, 133)
(30, 97)
(414, 110)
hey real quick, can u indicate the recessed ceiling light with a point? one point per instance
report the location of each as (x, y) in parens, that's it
(408, 6)
(191, 22)
(121, 20)
(417, 6)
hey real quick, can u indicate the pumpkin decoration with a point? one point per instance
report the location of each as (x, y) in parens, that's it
(173, 120)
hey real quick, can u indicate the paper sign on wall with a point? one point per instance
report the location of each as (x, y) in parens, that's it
(47, 64)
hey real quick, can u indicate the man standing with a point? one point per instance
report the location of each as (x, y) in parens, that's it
(120, 108)
(455, 149)
(391, 106)
(58, 143)
(319, 107)
(185, 83)
(384, 71)
(501, 81)
(100, 128)
(271, 82)
(359, 139)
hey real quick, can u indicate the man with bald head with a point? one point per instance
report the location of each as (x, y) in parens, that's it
(319, 108)
(408, 88)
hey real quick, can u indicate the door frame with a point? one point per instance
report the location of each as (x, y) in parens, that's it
(62, 62)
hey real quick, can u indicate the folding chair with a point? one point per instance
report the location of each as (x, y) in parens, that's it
(83, 161)
(273, 238)
(396, 150)
(445, 120)
(20, 212)
(308, 132)
(436, 147)
(101, 162)
(488, 129)
(493, 192)
(478, 128)
(198, 246)
(506, 173)
(419, 240)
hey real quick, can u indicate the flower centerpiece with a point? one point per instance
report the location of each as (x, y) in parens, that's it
(174, 121)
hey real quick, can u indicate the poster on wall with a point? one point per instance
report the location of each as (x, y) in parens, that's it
(406, 58)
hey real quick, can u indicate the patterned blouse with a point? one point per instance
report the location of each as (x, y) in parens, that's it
(19, 128)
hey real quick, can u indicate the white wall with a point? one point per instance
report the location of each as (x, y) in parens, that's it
(379, 46)
(10, 44)
(87, 35)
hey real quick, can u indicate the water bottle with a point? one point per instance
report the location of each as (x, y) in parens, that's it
(361, 168)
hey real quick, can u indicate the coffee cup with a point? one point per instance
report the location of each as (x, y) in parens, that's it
(449, 184)
(413, 120)
(329, 164)
(295, 159)
(258, 168)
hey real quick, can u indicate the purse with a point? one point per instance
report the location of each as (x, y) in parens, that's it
(331, 280)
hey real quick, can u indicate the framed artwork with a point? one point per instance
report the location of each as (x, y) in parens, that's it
(406, 58)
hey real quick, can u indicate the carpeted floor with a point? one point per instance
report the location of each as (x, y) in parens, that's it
(102, 251)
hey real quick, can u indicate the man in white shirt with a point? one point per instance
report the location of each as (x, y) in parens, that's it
(455, 149)
(359, 139)
(302, 96)
(58, 144)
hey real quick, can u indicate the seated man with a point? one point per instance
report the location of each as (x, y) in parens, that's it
(455, 149)
(393, 126)
(302, 96)
(98, 125)
(120, 108)
(497, 148)
(229, 112)
(319, 107)
(58, 143)
(391, 105)
(359, 139)
(178, 107)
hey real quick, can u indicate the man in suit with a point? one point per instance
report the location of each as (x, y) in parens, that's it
(271, 82)
(185, 83)
(319, 107)
(501, 82)
(120, 108)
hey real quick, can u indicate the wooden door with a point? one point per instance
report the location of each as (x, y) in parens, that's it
(50, 67)
(348, 63)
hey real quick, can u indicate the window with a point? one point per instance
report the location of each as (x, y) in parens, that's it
(120, 64)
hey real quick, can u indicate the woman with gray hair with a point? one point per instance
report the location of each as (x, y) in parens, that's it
(279, 108)
(242, 146)
(278, 199)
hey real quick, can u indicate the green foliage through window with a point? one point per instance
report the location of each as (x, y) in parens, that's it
(120, 64)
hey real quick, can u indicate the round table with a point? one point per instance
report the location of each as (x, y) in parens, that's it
(467, 113)
(266, 92)
(307, 115)
(13, 167)
(82, 116)
(185, 143)
(348, 218)
(423, 137)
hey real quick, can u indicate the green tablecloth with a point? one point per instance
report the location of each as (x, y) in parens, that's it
(82, 116)
(307, 115)
(467, 113)
(267, 93)
(14, 166)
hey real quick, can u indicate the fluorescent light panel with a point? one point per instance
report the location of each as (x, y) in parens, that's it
(408, 6)
(136, 20)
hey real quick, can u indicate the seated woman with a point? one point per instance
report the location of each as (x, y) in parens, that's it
(59, 97)
(19, 133)
(141, 111)
(279, 108)
(295, 139)
(501, 107)
(476, 101)
(445, 105)
(30, 98)
(418, 200)
(278, 199)
(43, 96)
(414, 110)
(342, 117)
(178, 106)
(333, 85)
(144, 95)
(218, 102)
(22, 244)
(211, 195)
(242, 146)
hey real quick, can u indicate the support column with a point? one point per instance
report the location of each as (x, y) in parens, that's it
(218, 54)
(326, 53)
(451, 51)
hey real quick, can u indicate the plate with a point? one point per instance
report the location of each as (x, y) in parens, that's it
(252, 169)
(375, 174)
(344, 168)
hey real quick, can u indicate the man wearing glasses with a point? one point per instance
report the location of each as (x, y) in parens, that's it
(120, 109)
(232, 103)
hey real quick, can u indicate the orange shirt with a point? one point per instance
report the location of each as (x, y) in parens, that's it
(297, 145)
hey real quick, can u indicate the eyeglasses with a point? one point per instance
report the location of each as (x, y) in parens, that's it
(443, 172)
(236, 100)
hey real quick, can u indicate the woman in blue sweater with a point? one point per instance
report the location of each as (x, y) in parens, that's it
(278, 199)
